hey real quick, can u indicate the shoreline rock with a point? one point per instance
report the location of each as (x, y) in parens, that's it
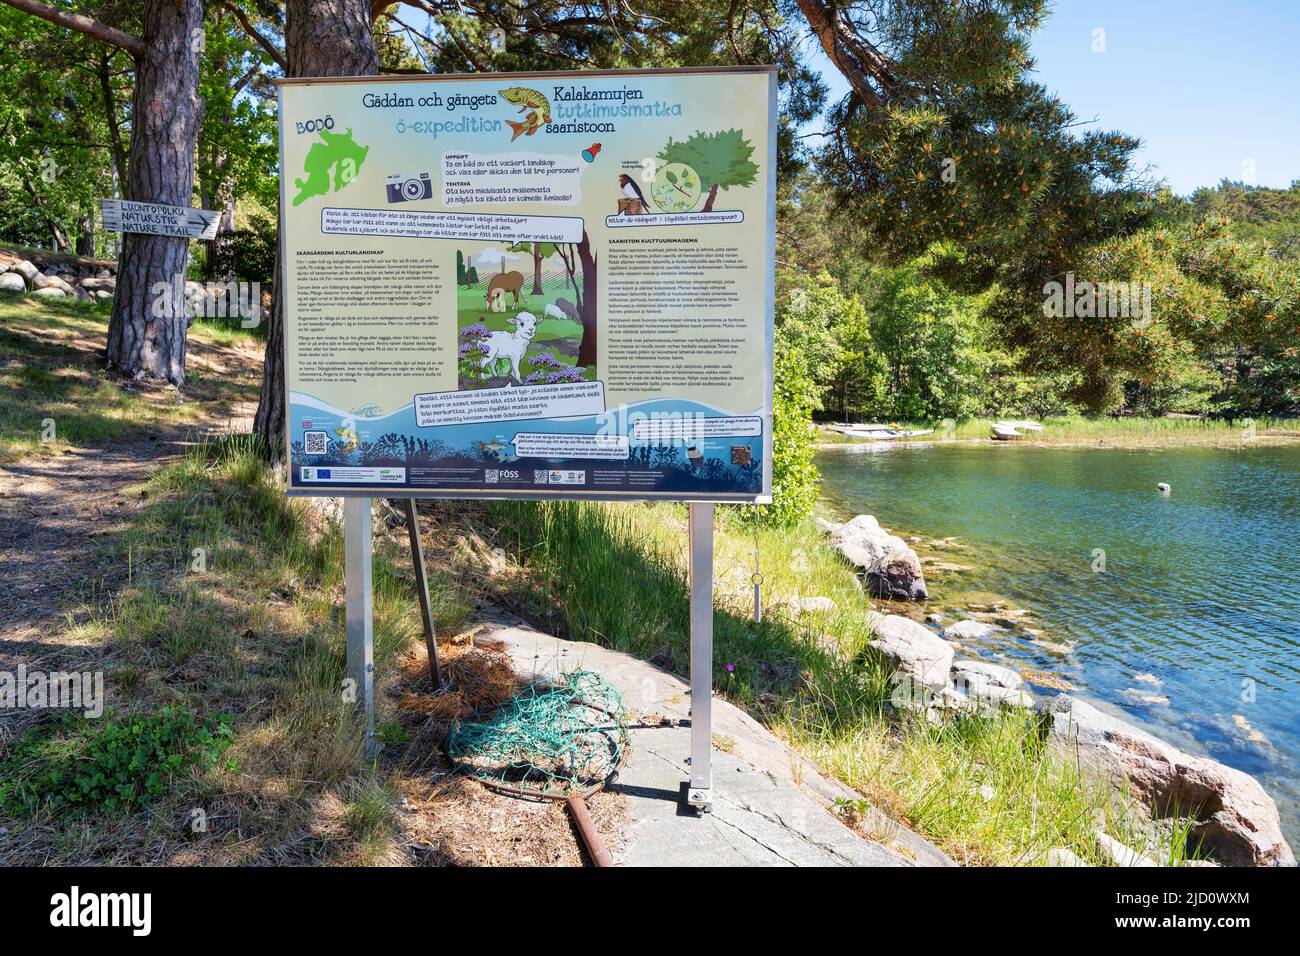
(912, 648)
(890, 567)
(968, 630)
(1238, 820)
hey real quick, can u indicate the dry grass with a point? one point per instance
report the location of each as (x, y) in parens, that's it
(258, 634)
(51, 371)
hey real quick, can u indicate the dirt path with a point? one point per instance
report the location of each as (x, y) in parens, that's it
(57, 509)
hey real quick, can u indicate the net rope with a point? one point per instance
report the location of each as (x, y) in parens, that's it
(560, 738)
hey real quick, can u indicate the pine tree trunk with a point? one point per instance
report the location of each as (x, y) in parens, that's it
(713, 194)
(146, 332)
(537, 268)
(321, 38)
(86, 234)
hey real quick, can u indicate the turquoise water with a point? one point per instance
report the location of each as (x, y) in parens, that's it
(1201, 588)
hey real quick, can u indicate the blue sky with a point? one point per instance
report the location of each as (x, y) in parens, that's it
(1210, 87)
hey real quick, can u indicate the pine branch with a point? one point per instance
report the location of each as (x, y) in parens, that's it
(82, 24)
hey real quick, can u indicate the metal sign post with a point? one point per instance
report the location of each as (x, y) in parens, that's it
(422, 590)
(700, 792)
(360, 610)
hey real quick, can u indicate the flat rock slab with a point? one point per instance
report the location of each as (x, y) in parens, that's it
(758, 819)
(770, 806)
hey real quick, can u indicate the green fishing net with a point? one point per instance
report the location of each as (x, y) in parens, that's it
(561, 738)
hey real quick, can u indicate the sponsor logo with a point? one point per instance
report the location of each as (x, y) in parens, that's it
(559, 476)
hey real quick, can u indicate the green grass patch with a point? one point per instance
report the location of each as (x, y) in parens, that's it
(75, 765)
(232, 604)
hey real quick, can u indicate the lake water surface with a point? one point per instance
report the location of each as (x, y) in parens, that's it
(1200, 592)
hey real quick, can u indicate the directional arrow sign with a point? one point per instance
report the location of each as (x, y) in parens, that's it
(156, 219)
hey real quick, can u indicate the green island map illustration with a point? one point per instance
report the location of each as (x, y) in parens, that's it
(337, 151)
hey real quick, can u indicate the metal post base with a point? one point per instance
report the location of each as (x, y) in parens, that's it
(699, 793)
(701, 800)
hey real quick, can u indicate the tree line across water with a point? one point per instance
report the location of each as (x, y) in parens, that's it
(950, 247)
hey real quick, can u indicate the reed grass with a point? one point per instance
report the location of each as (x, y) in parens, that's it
(1125, 431)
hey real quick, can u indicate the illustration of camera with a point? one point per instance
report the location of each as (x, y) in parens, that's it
(409, 188)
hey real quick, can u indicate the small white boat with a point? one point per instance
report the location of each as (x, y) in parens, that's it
(1010, 431)
(877, 432)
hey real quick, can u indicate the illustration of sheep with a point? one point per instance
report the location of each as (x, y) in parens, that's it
(512, 344)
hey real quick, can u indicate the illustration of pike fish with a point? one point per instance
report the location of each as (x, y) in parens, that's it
(350, 439)
(537, 106)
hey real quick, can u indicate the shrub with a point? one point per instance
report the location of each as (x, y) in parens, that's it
(70, 766)
(794, 476)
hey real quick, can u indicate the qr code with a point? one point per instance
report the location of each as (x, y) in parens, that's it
(315, 443)
(491, 475)
(741, 455)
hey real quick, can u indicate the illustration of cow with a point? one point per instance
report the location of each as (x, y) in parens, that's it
(512, 282)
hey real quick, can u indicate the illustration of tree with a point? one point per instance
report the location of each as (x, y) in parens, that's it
(575, 257)
(539, 251)
(721, 159)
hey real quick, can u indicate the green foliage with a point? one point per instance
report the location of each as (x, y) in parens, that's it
(1257, 213)
(935, 343)
(76, 765)
(249, 255)
(794, 476)
(831, 333)
(1224, 318)
(809, 310)
(56, 155)
(957, 143)
(941, 342)
(237, 153)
